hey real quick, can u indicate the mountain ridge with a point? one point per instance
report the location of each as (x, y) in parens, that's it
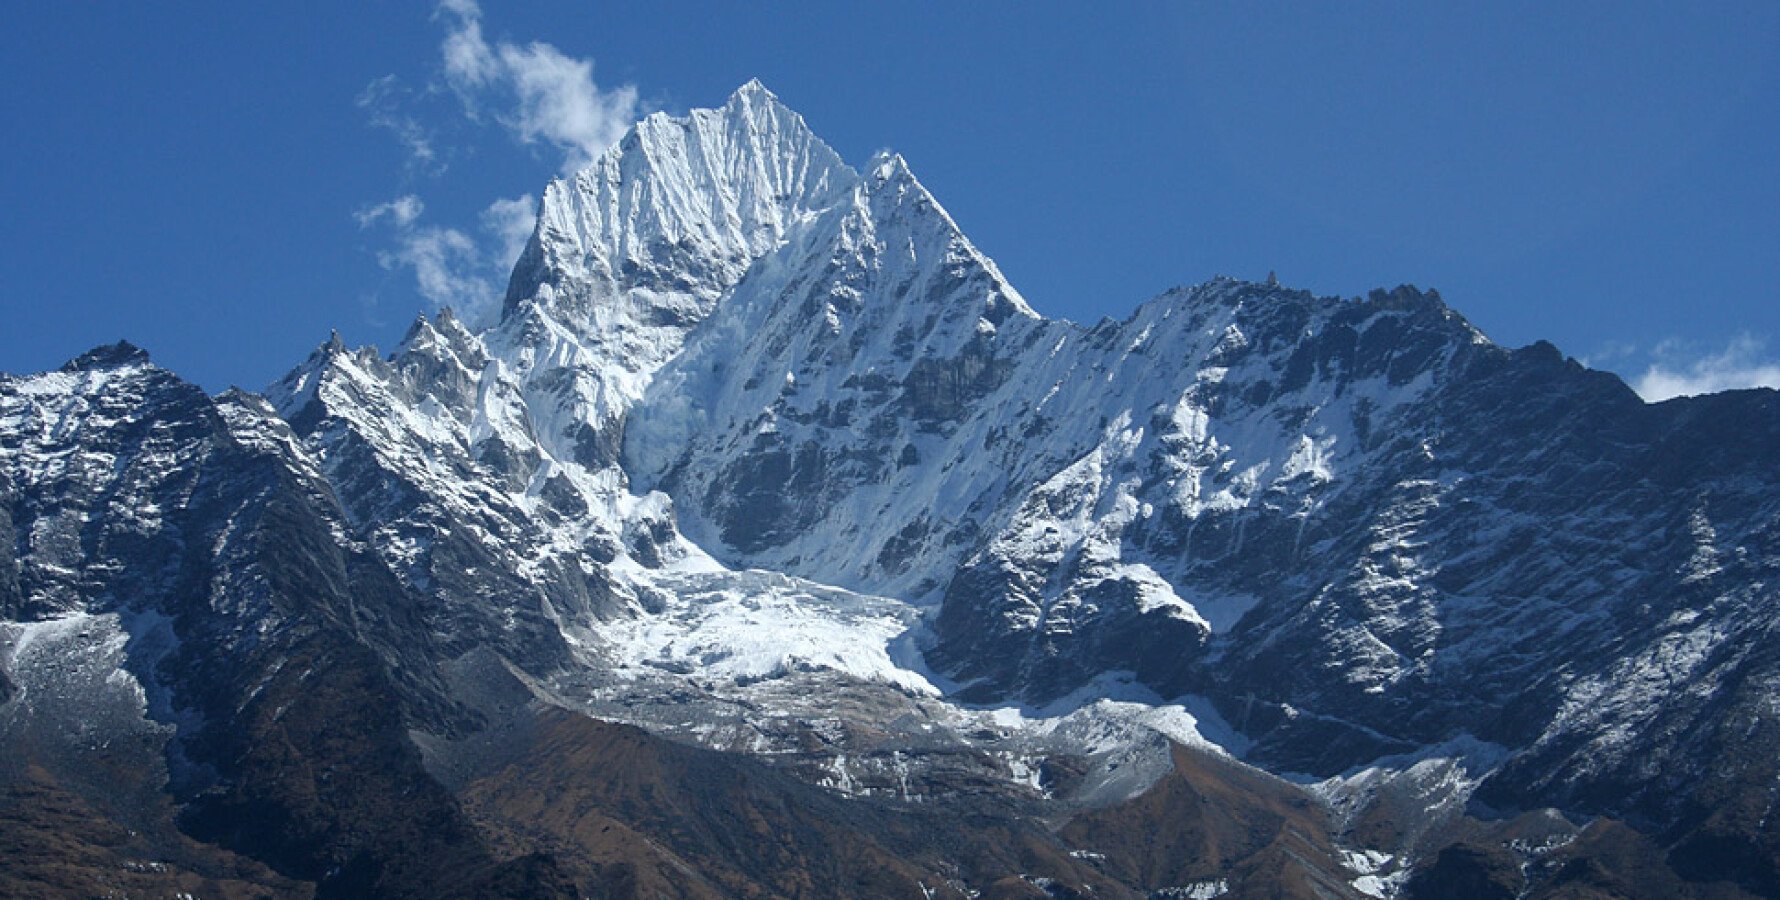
(756, 437)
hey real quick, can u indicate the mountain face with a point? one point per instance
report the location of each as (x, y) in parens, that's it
(762, 455)
(192, 635)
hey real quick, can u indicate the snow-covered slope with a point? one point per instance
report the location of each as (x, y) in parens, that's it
(725, 349)
(755, 437)
(809, 422)
(483, 464)
(190, 631)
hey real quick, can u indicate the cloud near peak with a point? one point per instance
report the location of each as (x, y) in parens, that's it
(1742, 364)
(450, 267)
(537, 92)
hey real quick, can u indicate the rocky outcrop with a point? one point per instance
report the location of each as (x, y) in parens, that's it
(762, 453)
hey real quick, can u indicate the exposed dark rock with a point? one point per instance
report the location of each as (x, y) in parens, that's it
(1361, 530)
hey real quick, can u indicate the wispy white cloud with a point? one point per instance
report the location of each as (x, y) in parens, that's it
(510, 222)
(445, 265)
(538, 92)
(450, 267)
(1615, 355)
(1677, 372)
(469, 61)
(387, 103)
(401, 212)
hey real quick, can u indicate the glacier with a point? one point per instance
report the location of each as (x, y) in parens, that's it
(760, 452)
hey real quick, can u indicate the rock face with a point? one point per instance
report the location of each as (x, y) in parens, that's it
(763, 454)
(191, 618)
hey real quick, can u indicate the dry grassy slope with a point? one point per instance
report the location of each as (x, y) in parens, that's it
(1606, 859)
(1214, 818)
(630, 814)
(55, 842)
(329, 788)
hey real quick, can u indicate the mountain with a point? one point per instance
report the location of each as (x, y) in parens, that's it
(766, 513)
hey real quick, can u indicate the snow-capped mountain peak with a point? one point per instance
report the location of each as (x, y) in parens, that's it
(753, 426)
(685, 199)
(110, 356)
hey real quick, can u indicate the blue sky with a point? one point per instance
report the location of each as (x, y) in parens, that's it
(225, 183)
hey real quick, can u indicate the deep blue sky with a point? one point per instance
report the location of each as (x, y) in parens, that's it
(1600, 175)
